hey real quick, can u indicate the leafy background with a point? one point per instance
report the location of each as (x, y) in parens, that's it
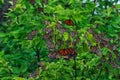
(97, 27)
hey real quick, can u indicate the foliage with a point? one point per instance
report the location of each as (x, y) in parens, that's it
(1, 3)
(20, 55)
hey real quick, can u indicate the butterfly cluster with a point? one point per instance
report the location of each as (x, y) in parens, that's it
(102, 42)
(32, 34)
(55, 52)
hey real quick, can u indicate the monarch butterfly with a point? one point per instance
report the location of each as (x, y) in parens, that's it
(50, 45)
(67, 52)
(48, 30)
(73, 34)
(52, 55)
(32, 34)
(95, 49)
(69, 22)
(48, 36)
(47, 22)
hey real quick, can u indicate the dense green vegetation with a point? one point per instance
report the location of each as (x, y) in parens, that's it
(35, 30)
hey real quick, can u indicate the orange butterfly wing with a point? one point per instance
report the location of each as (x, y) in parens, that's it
(67, 52)
(69, 22)
(62, 51)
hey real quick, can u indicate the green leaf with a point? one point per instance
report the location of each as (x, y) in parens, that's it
(18, 78)
(65, 36)
(16, 70)
(1, 53)
(109, 10)
(118, 6)
(71, 1)
(91, 39)
(99, 22)
(24, 67)
(2, 35)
